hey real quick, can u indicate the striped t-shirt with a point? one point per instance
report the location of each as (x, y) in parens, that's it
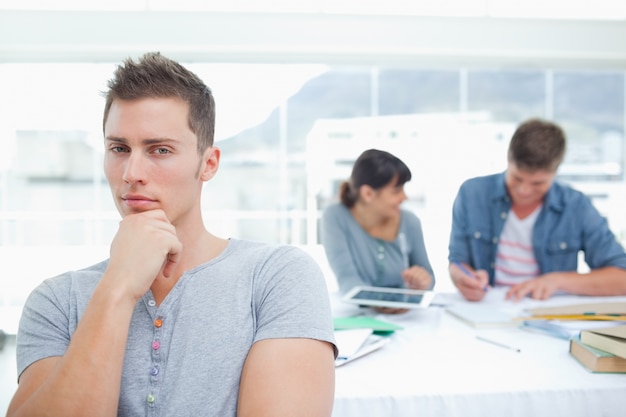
(515, 259)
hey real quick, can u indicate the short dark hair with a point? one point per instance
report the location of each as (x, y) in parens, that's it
(537, 145)
(155, 76)
(375, 168)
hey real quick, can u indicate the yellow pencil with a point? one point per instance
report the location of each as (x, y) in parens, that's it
(613, 317)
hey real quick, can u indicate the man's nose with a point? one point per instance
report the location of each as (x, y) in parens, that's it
(134, 170)
(524, 189)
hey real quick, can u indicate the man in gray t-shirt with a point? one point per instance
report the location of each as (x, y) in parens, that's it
(177, 322)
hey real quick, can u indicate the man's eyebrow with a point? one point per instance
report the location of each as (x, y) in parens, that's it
(155, 141)
(148, 141)
(115, 139)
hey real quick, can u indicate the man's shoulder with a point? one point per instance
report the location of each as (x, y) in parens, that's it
(565, 195)
(487, 185)
(79, 282)
(482, 181)
(89, 272)
(269, 257)
(259, 249)
(566, 189)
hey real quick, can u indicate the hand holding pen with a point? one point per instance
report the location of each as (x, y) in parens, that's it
(472, 284)
(415, 277)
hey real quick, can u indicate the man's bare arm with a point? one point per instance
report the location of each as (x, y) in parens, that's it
(288, 378)
(598, 282)
(85, 381)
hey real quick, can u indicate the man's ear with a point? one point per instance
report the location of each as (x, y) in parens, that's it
(210, 163)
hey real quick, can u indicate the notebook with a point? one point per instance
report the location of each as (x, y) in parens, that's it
(356, 343)
(483, 316)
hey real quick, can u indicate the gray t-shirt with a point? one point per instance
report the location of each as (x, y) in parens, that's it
(190, 363)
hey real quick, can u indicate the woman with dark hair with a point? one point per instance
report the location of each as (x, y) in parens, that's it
(368, 238)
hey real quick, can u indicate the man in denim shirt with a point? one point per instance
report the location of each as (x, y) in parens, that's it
(522, 229)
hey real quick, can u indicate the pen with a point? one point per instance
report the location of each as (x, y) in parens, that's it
(404, 249)
(493, 342)
(468, 273)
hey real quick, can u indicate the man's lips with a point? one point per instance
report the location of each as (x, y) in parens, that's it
(137, 201)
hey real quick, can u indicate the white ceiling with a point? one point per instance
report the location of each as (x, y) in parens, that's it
(571, 9)
(327, 38)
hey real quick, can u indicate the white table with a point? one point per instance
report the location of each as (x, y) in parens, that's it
(436, 366)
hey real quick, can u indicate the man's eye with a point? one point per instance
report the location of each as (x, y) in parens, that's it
(118, 149)
(162, 151)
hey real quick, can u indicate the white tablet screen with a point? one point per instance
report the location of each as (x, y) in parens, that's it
(389, 297)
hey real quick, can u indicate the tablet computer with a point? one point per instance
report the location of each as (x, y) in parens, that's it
(389, 297)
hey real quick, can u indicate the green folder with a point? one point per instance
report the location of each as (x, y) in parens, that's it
(379, 327)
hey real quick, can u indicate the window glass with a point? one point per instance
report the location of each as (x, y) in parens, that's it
(406, 91)
(507, 96)
(590, 107)
(51, 180)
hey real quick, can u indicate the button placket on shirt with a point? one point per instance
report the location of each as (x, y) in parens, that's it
(156, 357)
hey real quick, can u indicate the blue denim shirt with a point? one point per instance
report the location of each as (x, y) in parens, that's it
(568, 223)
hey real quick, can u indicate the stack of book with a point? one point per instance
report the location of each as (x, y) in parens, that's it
(596, 332)
(601, 350)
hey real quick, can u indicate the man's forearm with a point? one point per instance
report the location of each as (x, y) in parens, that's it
(86, 380)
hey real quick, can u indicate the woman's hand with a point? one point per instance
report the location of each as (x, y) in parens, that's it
(417, 278)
